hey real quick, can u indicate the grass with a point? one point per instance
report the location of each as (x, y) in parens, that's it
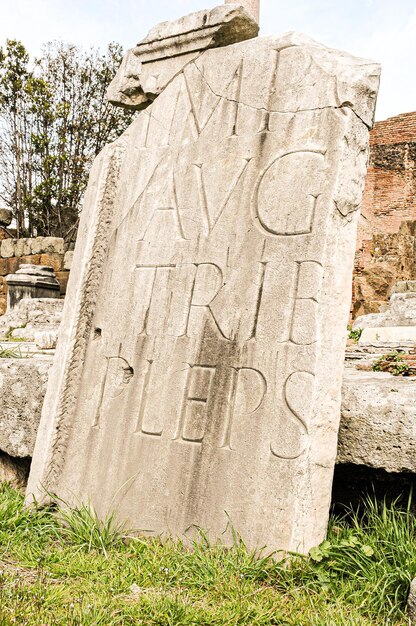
(355, 334)
(64, 567)
(11, 353)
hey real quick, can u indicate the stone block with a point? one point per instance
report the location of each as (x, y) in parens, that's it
(9, 266)
(62, 278)
(23, 247)
(51, 259)
(47, 245)
(389, 336)
(22, 388)
(251, 6)
(7, 248)
(30, 259)
(68, 259)
(32, 315)
(378, 424)
(198, 371)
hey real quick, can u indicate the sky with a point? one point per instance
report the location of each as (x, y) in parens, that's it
(381, 30)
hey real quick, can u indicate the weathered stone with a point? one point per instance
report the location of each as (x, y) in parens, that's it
(9, 266)
(389, 337)
(32, 315)
(411, 603)
(169, 47)
(52, 259)
(198, 372)
(367, 321)
(31, 281)
(378, 424)
(251, 6)
(23, 247)
(6, 217)
(396, 325)
(68, 259)
(46, 339)
(403, 286)
(47, 245)
(22, 388)
(7, 248)
(14, 471)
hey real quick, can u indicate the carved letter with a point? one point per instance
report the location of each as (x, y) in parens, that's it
(211, 219)
(194, 412)
(142, 426)
(248, 389)
(293, 434)
(153, 299)
(208, 282)
(117, 376)
(283, 206)
(305, 310)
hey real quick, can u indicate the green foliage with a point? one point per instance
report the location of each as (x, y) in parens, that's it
(64, 568)
(54, 119)
(83, 527)
(11, 353)
(374, 551)
(355, 334)
(393, 363)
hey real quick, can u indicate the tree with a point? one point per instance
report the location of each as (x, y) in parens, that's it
(54, 119)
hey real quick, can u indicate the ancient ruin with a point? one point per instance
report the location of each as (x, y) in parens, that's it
(198, 374)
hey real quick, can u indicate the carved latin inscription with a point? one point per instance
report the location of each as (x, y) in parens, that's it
(282, 204)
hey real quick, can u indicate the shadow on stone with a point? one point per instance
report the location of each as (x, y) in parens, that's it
(354, 483)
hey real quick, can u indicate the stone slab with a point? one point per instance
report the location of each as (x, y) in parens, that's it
(22, 388)
(197, 377)
(34, 319)
(393, 336)
(378, 424)
(149, 67)
(400, 311)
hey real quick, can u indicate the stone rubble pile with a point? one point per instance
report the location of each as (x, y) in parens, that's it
(395, 326)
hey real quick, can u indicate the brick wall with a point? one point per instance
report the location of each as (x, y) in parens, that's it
(389, 200)
(39, 251)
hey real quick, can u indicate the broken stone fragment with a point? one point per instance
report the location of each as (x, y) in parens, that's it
(251, 6)
(31, 316)
(6, 217)
(147, 69)
(22, 387)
